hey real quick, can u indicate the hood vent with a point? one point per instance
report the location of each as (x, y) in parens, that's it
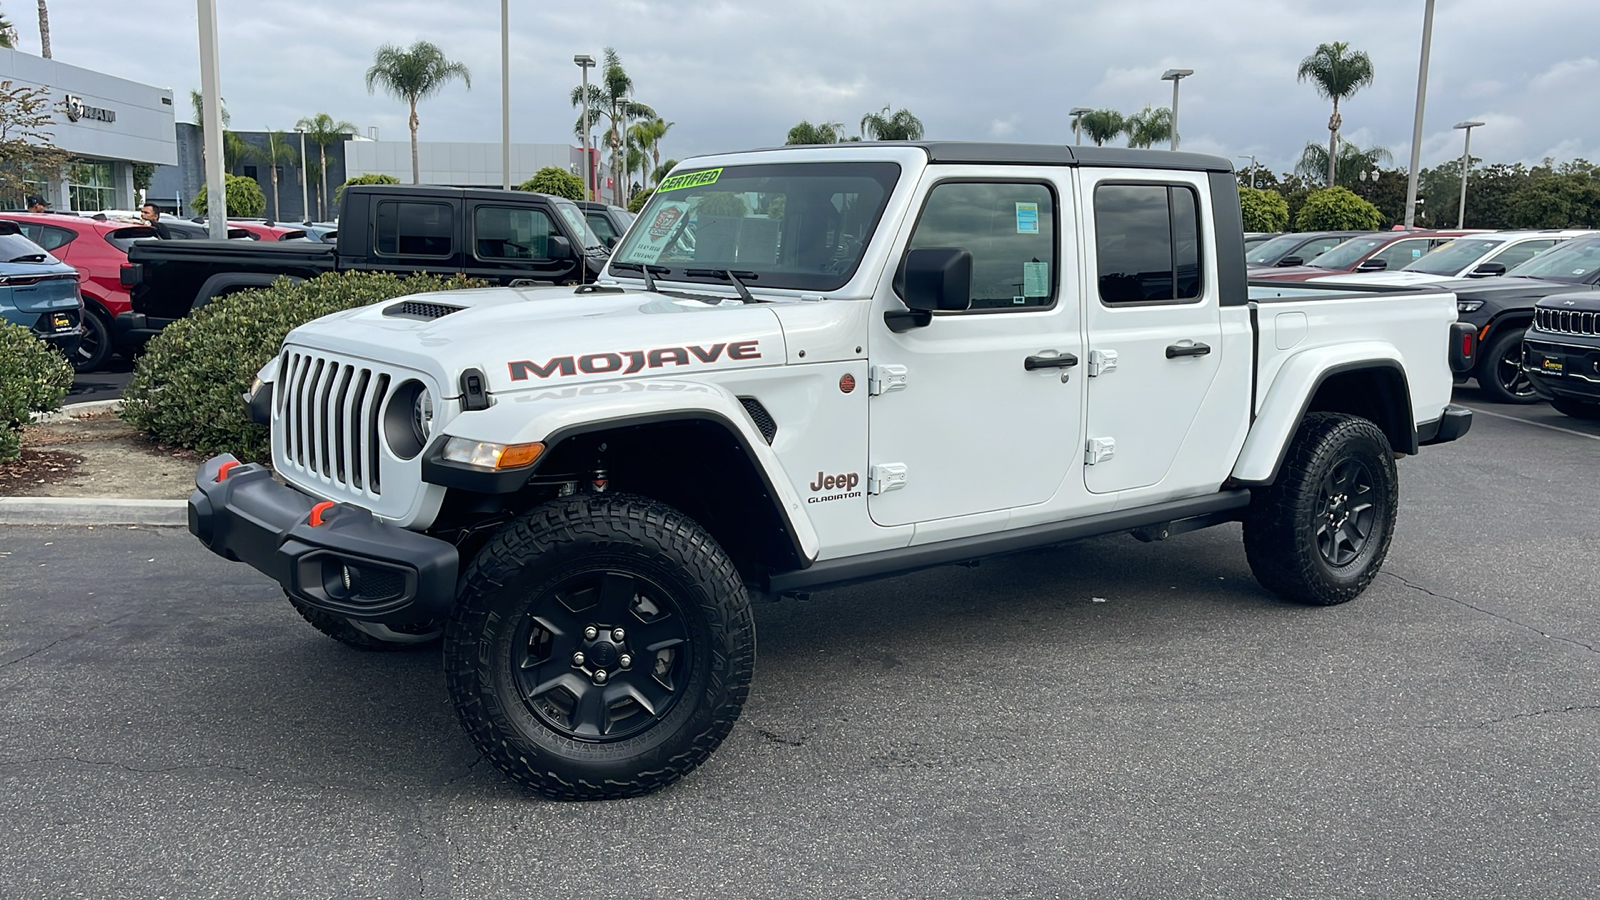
(419, 309)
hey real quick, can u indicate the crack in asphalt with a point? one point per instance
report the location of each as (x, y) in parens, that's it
(60, 640)
(465, 772)
(1492, 614)
(1535, 715)
(775, 738)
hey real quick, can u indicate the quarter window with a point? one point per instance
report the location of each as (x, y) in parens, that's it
(1147, 242)
(414, 229)
(502, 232)
(1009, 228)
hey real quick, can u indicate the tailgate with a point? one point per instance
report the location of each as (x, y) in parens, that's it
(43, 293)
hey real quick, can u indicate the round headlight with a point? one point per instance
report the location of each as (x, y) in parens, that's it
(422, 416)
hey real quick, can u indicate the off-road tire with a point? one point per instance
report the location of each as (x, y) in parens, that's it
(1288, 537)
(527, 601)
(1494, 370)
(1576, 408)
(346, 632)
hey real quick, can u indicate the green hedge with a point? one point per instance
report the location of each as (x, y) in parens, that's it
(640, 199)
(378, 178)
(33, 378)
(1337, 209)
(245, 200)
(1263, 210)
(554, 181)
(186, 387)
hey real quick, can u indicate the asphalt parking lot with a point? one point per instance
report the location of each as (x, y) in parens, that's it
(1108, 719)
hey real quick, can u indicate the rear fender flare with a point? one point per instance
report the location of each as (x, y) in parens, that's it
(227, 281)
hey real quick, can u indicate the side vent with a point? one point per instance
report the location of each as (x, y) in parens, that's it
(762, 418)
(418, 309)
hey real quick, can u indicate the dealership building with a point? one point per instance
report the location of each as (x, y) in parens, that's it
(108, 125)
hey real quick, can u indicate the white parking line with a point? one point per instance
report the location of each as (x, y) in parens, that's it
(1486, 412)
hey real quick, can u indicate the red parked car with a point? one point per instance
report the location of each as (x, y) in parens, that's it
(1377, 252)
(267, 231)
(98, 249)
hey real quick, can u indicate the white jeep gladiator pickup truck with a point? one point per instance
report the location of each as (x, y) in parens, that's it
(803, 368)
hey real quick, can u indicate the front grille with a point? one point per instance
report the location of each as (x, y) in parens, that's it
(1566, 321)
(328, 418)
(418, 309)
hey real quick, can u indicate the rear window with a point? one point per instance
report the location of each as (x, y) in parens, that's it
(414, 229)
(18, 249)
(1147, 238)
(123, 238)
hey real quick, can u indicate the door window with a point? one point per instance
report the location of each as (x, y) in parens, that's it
(1147, 243)
(1010, 229)
(1401, 253)
(503, 233)
(414, 229)
(1515, 255)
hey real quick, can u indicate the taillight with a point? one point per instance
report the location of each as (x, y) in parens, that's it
(1463, 347)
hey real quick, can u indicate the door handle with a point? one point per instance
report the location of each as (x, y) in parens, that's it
(1196, 349)
(1064, 361)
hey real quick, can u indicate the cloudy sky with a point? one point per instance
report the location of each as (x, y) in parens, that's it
(734, 74)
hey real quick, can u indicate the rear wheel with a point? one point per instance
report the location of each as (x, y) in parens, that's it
(95, 348)
(601, 647)
(1576, 408)
(1320, 533)
(1500, 371)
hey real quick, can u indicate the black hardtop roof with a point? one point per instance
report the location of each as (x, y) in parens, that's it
(443, 190)
(978, 152)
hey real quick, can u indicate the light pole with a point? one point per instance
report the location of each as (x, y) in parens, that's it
(1077, 123)
(586, 62)
(1466, 162)
(505, 95)
(305, 197)
(1416, 125)
(1175, 76)
(211, 101)
(1252, 159)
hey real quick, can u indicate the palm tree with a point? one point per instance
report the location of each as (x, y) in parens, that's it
(1313, 163)
(229, 148)
(1337, 73)
(902, 126)
(647, 135)
(322, 130)
(663, 170)
(1148, 127)
(610, 100)
(8, 33)
(44, 30)
(411, 75)
(807, 133)
(277, 153)
(1102, 125)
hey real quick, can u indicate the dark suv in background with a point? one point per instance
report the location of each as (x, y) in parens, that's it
(1561, 353)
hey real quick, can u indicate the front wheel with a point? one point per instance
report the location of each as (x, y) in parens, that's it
(1321, 531)
(601, 647)
(1500, 370)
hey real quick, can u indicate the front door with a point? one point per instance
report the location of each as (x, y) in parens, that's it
(960, 423)
(1155, 331)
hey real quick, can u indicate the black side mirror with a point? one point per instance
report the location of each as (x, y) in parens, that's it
(1292, 261)
(558, 247)
(1488, 270)
(1373, 265)
(936, 279)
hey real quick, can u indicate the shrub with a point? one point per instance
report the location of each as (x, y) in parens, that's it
(1337, 209)
(554, 181)
(1263, 210)
(186, 387)
(33, 378)
(245, 200)
(364, 179)
(640, 199)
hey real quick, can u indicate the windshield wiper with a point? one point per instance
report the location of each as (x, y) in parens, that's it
(644, 268)
(732, 276)
(28, 257)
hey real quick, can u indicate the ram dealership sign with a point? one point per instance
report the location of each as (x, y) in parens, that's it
(78, 110)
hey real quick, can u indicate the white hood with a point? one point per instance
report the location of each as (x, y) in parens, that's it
(531, 338)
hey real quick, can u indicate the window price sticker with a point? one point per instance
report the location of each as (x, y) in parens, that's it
(1027, 218)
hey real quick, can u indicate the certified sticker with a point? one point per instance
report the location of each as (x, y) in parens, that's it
(689, 180)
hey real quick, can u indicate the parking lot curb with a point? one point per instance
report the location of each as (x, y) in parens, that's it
(69, 411)
(91, 511)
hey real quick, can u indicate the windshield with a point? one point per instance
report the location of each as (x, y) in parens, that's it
(18, 249)
(1573, 261)
(579, 224)
(801, 226)
(1452, 257)
(1270, 252)
(1346, 254)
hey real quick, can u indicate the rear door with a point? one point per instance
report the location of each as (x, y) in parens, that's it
(1153, 321)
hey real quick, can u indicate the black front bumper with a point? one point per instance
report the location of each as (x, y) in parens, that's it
(1569, 369)
(350, 565)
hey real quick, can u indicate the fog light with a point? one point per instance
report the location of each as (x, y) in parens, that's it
(491, 456)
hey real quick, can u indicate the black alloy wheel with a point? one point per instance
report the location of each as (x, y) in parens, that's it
(602, 656)
(1345, 512)
(95, 347)
(1502, 364)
